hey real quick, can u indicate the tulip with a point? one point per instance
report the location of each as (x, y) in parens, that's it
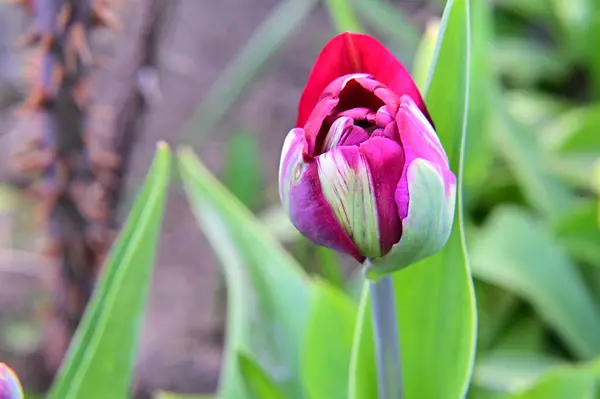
(10, 387)
(363, 172)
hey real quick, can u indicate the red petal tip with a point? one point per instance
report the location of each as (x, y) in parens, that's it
(349, 53)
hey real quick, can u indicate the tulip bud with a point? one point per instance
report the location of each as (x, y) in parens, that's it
(364, 172)
(10, 387)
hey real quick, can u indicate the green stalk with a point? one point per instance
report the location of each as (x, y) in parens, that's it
(387, 339)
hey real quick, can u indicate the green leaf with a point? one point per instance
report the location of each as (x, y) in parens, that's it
(515, 252)
(269, 296)
(508, 371)
(257, 381)
(171, 395)
(495, 307)
(574, 18)
(361, 382)
(573, 170)
(533, 109)
(342, 14)
(525, 334)
(100, 360)
(593, 57)
(327, 344)
(564, 382)
(242, 169)
(329, 266)
(525, 62)
(434, 298)
(425, 53)
(575, 131)
(401, 31)
(534, 9)
(478, 153)
(519, 148)
(244, 68)
(578, 231)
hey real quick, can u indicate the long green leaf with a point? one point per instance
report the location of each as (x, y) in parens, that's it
(526, 159)
(343, 16)
(435, 297)
(268, 38)
(511, 371)
(171, 395)
(257, 381)
(269, 295)
(561, 383)
(579, 233)
(514, 251)
(424, 54)
(100, 360)
(401, 31)
(242, 169)
(327, 344)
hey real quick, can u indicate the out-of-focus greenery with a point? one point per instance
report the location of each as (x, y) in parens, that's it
(514, 88)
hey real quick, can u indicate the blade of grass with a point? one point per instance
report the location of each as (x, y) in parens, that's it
(342, 14)
(100, 360)
(390, 21)
(268, 38)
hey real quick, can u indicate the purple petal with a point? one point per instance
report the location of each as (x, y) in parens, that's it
(10, 386)
(356, 136)
(386, 161)
(291, 163)
(313, 217)
(315, 121)
(342, 132)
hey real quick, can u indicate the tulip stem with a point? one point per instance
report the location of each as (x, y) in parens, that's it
(387, 339)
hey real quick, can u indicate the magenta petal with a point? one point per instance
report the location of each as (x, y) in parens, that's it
(386, 161)
(356, 136)
(350, 53)
(419, 140)
(417, 133)
(291, 163)
(360, 114)
(390, 132)
(315, 121)
(313, 217)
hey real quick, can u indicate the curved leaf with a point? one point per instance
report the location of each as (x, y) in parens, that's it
(100, 360)
(327, 344)
(258, 383)
(269, 296)
(514, 252)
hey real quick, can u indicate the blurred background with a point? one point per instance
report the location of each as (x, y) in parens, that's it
(225, 77)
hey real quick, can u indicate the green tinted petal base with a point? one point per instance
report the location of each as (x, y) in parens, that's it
(349, 192)
(429, 222)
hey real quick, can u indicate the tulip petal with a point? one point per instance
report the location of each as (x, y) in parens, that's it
(428, 224)
(291, 163)
(10, 386)
(315, 123)
(348, 187)
(300, 192)
(419, 140)
(386, 162)
(350, 53)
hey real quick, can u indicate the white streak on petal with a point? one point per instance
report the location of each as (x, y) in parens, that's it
(338, 130)
(350, 194)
